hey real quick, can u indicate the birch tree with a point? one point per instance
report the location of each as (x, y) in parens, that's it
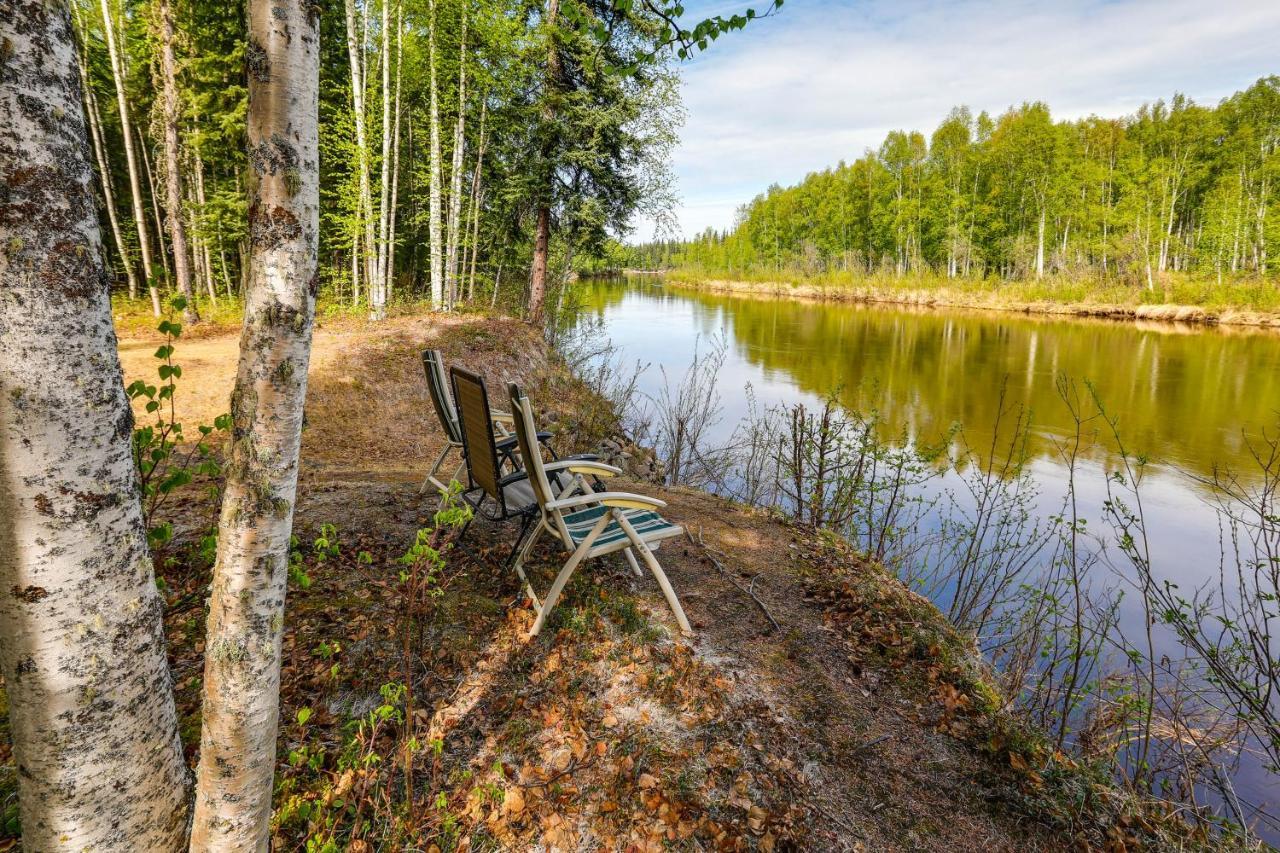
(455, 173)
(355, 51)
(246, 605)
(433, 212)
(172, 160)
(388, 272)
(94, 727)
(135, 180)
(378, 290)
(100, 155)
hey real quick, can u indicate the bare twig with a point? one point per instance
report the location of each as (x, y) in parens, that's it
(710, 553)
(573, 767)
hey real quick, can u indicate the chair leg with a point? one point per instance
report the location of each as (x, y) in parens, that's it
(435, 469)
(524, 555)
(525, 521)
(631, 561)
(553, 594)
(659, 575)
(475, 510)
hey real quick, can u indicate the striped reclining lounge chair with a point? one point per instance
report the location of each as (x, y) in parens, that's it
(588, 524)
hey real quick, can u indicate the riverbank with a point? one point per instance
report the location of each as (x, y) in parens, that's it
(1255, 304)
(821, 704)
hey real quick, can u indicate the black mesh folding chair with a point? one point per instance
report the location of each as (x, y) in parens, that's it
(497, 487)
(447, 413)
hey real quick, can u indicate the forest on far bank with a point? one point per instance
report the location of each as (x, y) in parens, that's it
(1175, 188)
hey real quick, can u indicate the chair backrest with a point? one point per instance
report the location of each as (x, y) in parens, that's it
(441, 399)
(527, 436)
(478, 446)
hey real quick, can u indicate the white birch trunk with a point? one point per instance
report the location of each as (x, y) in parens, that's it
(100, 155)
(246, 604)
(378, 291)
(455, 175)
(1040, 246)
(389, 271)
(355, 51)
(135, 181)
(172, 167)
(94, 728)
(433, 213)
(474, 248)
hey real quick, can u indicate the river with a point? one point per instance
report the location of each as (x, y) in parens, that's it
(1191, 398)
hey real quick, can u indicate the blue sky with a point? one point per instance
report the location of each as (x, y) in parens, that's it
(825, 79)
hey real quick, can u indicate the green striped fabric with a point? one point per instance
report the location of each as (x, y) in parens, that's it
(647, 523)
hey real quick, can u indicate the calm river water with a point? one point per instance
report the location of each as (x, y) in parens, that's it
(1186, 396)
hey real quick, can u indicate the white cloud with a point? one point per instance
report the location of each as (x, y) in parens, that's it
(823, 81)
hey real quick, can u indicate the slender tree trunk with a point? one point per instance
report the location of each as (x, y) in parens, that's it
(203, 235)
(473, 243)
(155, 206)
(542, 239)
(389, 270)
(246, 603)
(538, 278)
(378, 291)
(455, 230)
(497, 282)
(433, 215)
(355, 52)
(93, 722)
(100, 155)
(135, 181)
(1040, 246)
(172, 160)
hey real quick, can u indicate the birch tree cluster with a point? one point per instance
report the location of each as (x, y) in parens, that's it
(255, 153)
(459, 139)
(1176, 187)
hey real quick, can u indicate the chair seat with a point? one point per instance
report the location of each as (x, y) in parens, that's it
(518, 493)
(651, 526)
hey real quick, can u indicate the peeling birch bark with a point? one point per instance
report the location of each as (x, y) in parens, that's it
(246, 605)
(94, 727)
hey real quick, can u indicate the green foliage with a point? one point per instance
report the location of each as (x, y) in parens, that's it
(164, 460)
(1176, 188)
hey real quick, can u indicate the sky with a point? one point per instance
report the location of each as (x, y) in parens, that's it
(824, 80)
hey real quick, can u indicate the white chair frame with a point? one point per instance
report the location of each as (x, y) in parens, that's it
(552, 521)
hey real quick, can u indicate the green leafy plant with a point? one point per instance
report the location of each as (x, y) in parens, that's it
(163, 458)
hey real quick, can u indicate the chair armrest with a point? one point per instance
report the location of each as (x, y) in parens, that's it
(625, 500)
(514, 477)
(505, 417)
(510, 441)
(582, 465)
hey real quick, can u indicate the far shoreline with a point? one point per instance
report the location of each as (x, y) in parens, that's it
(949, 298)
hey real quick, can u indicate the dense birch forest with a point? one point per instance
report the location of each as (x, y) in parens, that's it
(462, 142)
(1176, 187)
